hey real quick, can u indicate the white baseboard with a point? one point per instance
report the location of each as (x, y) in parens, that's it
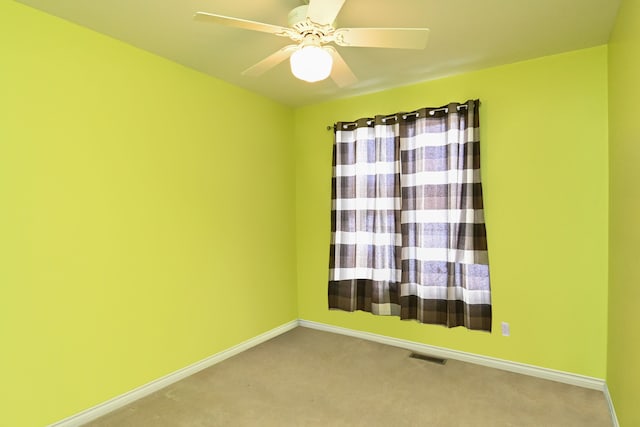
(144, 390)
(505, 365)
(612, 410)
(520, 368)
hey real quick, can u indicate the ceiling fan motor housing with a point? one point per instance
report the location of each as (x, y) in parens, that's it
(310, 32)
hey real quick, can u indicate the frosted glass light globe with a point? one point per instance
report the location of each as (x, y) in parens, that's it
(311, 63)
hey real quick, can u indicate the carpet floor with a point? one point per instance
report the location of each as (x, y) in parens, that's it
(307, 377)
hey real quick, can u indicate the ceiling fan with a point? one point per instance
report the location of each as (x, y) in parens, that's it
(312, 28)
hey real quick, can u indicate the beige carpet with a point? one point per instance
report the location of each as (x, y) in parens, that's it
(311, 378)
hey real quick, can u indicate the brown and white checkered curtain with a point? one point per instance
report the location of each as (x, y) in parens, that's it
(408, 234)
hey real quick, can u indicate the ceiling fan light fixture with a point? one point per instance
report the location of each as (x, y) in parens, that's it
(311, 63)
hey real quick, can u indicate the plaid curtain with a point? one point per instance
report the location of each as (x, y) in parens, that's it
(408, 234)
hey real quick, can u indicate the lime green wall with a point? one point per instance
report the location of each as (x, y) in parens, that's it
(144, 225)
(623, 364)
(544, 159)
(119, 261)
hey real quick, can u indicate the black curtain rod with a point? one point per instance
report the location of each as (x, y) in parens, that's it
(395, 116)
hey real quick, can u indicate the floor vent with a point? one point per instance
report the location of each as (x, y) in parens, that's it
(426, 358)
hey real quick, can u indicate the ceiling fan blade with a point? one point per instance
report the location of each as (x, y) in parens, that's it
(340, 71)
(270, 61)
(242, 23)
(400, 38)
(324, 11)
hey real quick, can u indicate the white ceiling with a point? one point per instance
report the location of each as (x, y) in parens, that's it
(465, 35)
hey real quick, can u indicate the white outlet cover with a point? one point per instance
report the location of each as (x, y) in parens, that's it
(505, 329)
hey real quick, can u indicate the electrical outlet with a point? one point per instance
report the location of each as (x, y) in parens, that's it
(505, 329)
